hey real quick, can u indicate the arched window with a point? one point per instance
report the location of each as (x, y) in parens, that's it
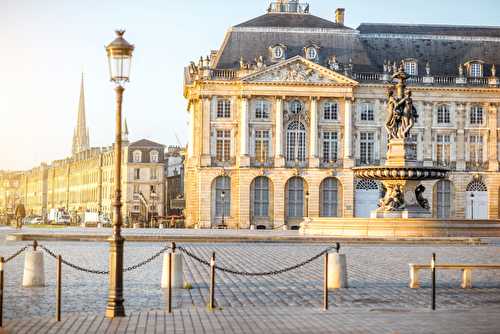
(475, 69)
(329, 197)
(476, 186)
(311, 53)
(278, 52)
(261, 197)
(137, 156)
(154, 155)
(296, 142)
(295, 197)
(443, 199)
(411, 67)
(222, 196)
(443, 114)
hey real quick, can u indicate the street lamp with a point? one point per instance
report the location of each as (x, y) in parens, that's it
(119, 58)
(307, 203)
(472, 206)
(223, 197)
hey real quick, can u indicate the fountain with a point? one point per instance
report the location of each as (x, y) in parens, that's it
(402, 173)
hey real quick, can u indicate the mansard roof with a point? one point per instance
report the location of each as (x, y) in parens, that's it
(428, 29)
(291, 21)
(145, 143)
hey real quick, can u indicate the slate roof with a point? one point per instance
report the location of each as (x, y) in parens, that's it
(366, 50)
(145, 143)
(427, 29)
(291, 21)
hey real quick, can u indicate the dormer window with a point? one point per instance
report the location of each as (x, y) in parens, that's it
(411, 67)
(475, 70)
(137, 156)
(311, 53)
(277, 52)
(154, 155)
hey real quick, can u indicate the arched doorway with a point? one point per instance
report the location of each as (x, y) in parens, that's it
(329, 197)
(295, 206)
(221, 199)
(476, 201)
(261, 202)
(366, 199)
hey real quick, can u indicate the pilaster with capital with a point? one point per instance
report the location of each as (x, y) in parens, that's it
(493, 138)
(244, 157)
(191, 129)
(460, 143)
(279, 159)
(206, 111)
(428, 134)
(348, 156)
(313, 140)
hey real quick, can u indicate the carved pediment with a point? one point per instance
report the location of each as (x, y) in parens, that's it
(298, 70)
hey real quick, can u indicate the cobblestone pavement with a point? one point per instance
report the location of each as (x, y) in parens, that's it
(271, 320)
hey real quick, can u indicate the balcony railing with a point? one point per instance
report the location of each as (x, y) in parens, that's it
(225, 163)
(269, 162)
(476, 166)
(294, 7)
(445, 164)
(363, 162)
(331, 164)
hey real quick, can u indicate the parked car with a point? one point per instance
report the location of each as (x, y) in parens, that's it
(37, 221)
(63, 220)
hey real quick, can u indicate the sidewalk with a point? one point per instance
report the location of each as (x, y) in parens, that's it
(272, 320)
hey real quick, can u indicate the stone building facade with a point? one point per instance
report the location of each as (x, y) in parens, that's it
(84, 182)
(291, 102)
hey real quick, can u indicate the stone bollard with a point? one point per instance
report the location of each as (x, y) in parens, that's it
(99, 225)
(161, 226)
(337, 271)
(34, 275)
(177, 271)
(252, 227)
(285, 228)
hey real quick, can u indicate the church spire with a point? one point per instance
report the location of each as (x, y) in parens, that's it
(81, 135)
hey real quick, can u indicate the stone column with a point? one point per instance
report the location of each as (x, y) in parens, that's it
(191, 129)
(279, 159)
(493, 138)
(460, 143)
(244, 157)
(348, 156)
(206, 131)
(313, 139)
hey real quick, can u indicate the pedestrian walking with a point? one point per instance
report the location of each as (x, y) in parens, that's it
(20, 214)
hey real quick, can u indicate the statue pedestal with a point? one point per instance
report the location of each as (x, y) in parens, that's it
(402, 201)
(401, 154)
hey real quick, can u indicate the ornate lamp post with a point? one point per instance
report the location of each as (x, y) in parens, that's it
(307, 203)
(119, 57)
(223, 197)
(472, 206)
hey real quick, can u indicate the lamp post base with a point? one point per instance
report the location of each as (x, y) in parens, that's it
(115, 307)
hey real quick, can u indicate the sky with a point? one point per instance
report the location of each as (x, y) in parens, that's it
(45, 46)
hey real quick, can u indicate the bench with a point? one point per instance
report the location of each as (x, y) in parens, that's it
(465, 268)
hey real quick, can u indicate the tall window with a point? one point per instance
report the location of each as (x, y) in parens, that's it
(261, 145)
(476, 70)
(137, 173)
(296, 142)
(443, 149)
(137, 156)
(223, 145)
(476, 115)
(295, 197)
(137, 188)
(295, 107)
(476, 148)
(222, 196)
(153, 173)
(366, 147)
(443, 114)
(443, 199)
(261, 109)
(411, 67)
(413, 146)
(329, 197)
(223, 108)
(330, 111)
(367, 112)
(330, 146)
(261, 197)
(154, 155)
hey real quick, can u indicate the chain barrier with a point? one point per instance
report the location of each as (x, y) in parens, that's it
(266, 273)
(105, 272)
(16, 254)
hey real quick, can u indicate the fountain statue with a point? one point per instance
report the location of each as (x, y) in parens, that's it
(402, 174)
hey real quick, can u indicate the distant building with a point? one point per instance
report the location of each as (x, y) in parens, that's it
(174, 185)
(291, 102)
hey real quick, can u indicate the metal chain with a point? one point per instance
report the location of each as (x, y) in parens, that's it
(13, 256)
(266, 273)
(105, 272)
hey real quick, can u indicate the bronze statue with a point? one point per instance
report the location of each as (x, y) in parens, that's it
(393, 200)
(401, 114)
(424, 203)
